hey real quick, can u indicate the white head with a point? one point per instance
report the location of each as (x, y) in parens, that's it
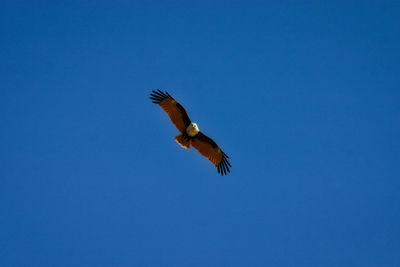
(192, 129)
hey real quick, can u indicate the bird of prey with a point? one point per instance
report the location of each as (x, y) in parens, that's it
(190, 133)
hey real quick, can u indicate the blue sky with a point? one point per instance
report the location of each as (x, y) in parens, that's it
(303, 97)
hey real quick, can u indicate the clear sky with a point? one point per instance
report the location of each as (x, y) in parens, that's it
(303, 97)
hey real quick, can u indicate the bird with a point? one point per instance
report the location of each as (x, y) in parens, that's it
(190, 134)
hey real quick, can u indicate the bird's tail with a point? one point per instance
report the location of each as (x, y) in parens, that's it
(183, 141)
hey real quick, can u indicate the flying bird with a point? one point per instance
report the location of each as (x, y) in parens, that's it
(190, 133)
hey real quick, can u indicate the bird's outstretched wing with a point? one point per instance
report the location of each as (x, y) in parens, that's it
(175, 111)
(208, 148)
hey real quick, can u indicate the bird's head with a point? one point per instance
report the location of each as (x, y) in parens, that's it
(192, 129)
(194, 126)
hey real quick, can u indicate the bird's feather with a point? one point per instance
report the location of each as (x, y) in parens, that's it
(175, 111)
(209, 149)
